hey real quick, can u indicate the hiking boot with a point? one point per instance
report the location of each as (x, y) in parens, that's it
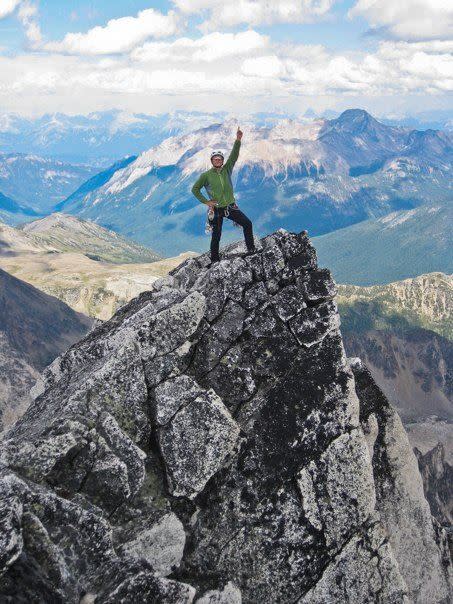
(253, 250)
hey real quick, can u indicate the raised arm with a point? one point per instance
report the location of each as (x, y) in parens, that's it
(196, 189)
(229, 164)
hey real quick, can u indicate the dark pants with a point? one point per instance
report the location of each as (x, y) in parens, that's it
(236, 215)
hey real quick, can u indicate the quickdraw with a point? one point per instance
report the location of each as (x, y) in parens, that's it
(209, 219)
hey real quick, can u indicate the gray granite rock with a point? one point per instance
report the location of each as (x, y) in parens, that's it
(11, 542)
(161, 544)
(195, 443)
(364, 570)
(338, 489)
(312, 324)
(230, 594)
(273, 259)
(414, 535)
(317, 286)
(211, 443)
(173, 394)
(288, 302)
(145, 586)
(255, 295)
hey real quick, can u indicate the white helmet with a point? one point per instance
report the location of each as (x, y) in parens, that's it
(217, 152)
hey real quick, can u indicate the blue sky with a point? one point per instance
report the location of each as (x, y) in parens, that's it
(151, 56)
(58, 18)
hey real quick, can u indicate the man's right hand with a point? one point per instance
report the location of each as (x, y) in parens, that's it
(211, 203)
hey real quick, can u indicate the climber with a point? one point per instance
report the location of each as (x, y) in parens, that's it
(217, 182)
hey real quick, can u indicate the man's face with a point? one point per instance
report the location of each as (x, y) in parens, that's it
(217, 161)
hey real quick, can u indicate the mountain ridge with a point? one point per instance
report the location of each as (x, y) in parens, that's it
(91, 269)
(67, 233)
(397, 246)
(424, 301)
(98, 137)
(324, 175)
(39, 182)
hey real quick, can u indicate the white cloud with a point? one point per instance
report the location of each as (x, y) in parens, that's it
(170, 81)
(268, 66)
(207, 49)
(408, 19)
(27, 14)
(429, 46)
(228, 13)
(119, 35)
(418, 66)
(7, 7)
(395, 68)
(248, 69)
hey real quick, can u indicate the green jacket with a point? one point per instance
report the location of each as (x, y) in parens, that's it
(218, 184)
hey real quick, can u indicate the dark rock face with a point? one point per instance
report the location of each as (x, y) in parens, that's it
(34, 329)
(210, 443)
(437, 475)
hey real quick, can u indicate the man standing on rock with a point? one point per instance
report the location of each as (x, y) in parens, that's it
(217, 182)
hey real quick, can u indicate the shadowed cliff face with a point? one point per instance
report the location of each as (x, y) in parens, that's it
(210, 443)
(34, 329)
(414, 368)
(437, 475)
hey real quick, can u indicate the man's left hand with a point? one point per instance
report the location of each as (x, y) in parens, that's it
(239, 134)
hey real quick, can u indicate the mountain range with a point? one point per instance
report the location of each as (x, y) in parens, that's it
(396, 246)
(40, 183)
(101, 137)
(315, 173)
(98, 138)
(321, 175)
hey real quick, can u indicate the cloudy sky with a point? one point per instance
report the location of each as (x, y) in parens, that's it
(392, 57)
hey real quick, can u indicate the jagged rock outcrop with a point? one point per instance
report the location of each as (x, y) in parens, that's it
(416, 538)
(212, 443)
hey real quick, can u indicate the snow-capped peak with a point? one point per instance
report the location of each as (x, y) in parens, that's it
(287, 143)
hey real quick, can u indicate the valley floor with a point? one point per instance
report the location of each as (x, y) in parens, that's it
(94, 288)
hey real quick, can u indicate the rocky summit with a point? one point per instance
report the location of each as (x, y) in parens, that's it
(211, 443)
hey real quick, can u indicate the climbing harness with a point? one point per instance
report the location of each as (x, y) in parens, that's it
(211, 214)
